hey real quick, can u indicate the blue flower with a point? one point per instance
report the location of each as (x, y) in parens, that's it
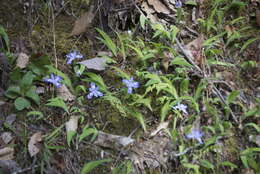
(73, 55)
(181, 107)
(94, 91)
(130, 84)
(178, 4)
(55, 80)
(195, 134)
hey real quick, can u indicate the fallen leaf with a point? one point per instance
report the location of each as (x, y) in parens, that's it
(32, 145)
(7, 153)
(7, 137)
(64, 93)
(22, 60)
(195, 48)
(96, 63)
(149, 12)
(159, 6)
(81, 25)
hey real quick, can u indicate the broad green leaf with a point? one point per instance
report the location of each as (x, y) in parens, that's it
(57, 102)
(21, 103)
(31, 93)
(93, 164)
(13, 92)
(37, 64)
(27, 80)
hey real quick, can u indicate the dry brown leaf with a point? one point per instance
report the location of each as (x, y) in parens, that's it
(64, 93)
(72, 124)
(7, 153)
(32, 145)
(195, 48)
(149, 11)
(159, 6)
(81, 25)
(196, 43)
(22, 60)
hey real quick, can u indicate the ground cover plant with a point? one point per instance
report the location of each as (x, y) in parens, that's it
(130, 87)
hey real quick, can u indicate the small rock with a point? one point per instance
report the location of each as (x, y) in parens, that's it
(10, 119)
(7, 137)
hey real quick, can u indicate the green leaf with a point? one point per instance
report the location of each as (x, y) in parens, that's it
(215, 62)
(142, 21)
(13, 92)
(180, 61)
(107, 41)
(192, 166)
(248, 42)
(70, 135)
(207, 164)
(27, 80)
(57, 102)
(232, 96)
(88, 131)
(164, 111)
(37, 64)
(93, 164)
(98, 80)
(35, 113)
(65, 78)
(139, 117)
(5, 37)
(21, 103)
(191, 2)
(257, 128)
(31, 93)
(228, 164)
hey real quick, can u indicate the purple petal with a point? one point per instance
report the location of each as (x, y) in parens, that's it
(90, 95)
(130, 90)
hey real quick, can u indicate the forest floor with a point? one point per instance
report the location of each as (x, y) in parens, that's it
(130, 86)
